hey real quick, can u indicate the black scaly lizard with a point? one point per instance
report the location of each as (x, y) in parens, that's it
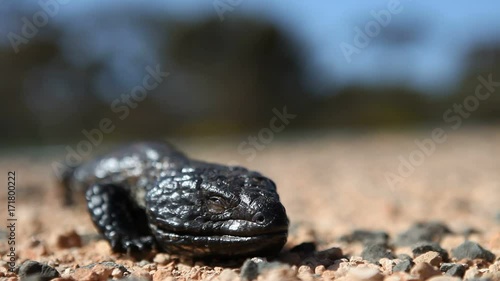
(149, 195)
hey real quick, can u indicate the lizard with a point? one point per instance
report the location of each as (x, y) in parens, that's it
(149, 196)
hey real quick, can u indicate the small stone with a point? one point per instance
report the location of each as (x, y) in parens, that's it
(104, 272)
(444, 278)
(404, 257)
(472, 273)
(195, 273)
(423, 232)
(105, 269)
(85, 274)
(161, 274)
(250, 269)
(141, 273)
(424, 271)
(445, 266)
(290, 258)
(403, 266)
(305, 269)
(68, 240)
(227, 275)
(364, 273)
(387, 265)
(423, 247)
(433, 258)
(149, 266)
(456, 270)
(43, 272)
(331, 254)
(304, 249)
(328, 275)
(279, 271)
(366, 237)
(319, 269)
(305, 272)
(471, 250)
(116, 273)
(161, 258)
(373, 253)
(254, 267)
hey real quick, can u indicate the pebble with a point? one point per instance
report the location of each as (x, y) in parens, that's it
(305, 269)
(41, 271)
(331, 254)
(107, 264)
(472, 273)
(403, 266)
(304, 249)
(250, 269)
(141, 274)
(445, 266)
(423, 247)
(319, 269)
(85, 274)
(456, 270)
(161, 258)
(433, 258)
(305, 272)
(364, 274)
(162, 274)
(100, 271)
(471, 250)
(254, 267)
(423, 232)
(290, 258)
(227, 275)
(386, 265)
(404, 257)
(116, 273)
(444, 278)
(366, 237)
(373, 253)
(68, 240)
(424, 271)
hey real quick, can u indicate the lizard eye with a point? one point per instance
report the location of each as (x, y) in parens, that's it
(216, 204)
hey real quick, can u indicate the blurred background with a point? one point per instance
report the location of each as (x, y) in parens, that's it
(66, 65)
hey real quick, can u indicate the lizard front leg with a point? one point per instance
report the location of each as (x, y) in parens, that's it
(122, 222)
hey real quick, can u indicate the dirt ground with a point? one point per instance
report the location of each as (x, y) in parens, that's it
(330, 184)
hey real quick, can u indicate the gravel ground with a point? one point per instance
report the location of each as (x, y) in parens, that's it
(347, 221)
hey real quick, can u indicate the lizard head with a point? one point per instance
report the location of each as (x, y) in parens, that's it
(217, 211)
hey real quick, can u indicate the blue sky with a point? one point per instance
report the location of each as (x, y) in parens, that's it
(432, 64)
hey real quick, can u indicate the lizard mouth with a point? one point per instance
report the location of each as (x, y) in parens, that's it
(196, 245)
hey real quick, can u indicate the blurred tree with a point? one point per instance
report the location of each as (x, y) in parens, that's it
(18, 121)
(483, 60)
(358, 107)
(237, 71)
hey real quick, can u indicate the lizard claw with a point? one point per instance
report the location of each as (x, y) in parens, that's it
(137, 247)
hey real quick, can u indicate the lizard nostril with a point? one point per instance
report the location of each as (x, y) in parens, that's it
(259, 218)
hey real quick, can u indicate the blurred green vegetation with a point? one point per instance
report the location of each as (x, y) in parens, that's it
(225, 78)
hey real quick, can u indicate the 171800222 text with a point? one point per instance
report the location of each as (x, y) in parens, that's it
(11, 219)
